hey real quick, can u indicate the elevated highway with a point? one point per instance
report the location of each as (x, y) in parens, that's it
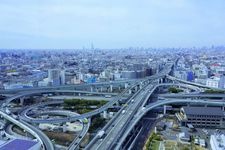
(44, 140)
(194, 96)
(33, 93)
(151, 106)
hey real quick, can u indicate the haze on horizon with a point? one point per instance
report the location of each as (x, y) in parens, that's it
(111, 24)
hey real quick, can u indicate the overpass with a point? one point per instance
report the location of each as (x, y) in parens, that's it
(190, 83)
(120, 123)
(123, 119)
(151, 106)
(137, 84)
(89, 114)
(194, 96)
(45, 141)
(88, 85)
(33, 93)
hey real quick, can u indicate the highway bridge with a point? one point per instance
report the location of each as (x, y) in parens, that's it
(33, 93)
(194, 95)
(41, 137)
(137, 85)
(135, 104)
(151, 106)
(101, 109)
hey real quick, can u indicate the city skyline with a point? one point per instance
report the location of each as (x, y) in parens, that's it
(67, 25)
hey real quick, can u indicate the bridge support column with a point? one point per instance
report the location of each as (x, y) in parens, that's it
(141, 85)
(130, 91)
(91, 88)
(126, 85)
(105, 115)
(136, 88)
(101, 89)
(111, 88)
(79, 94)
(164, 109)
(21, 101)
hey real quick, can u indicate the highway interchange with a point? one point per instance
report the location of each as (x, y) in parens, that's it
(118, 128)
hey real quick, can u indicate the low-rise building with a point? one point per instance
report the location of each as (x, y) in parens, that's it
(217, 142)
(206, 117)
(215, 82)
(20, 144)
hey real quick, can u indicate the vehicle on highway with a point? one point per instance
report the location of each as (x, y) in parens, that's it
(132, 100)
(108, 96)
(123, 111)
(85, 120)
(100, 134)
(143, 108)
(7, 111)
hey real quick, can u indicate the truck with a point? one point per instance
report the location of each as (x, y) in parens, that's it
(100, 134)
(85, 121)
(7, 111)
(108, 96)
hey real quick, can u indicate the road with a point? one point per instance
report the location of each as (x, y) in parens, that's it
(195, 95)
(76, 142)
(121, 121)
(45, 141)
(151, 106)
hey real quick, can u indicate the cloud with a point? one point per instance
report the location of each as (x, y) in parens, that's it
(148, 22)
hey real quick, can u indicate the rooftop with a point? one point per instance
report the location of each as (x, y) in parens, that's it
(211, 111)
(18, 144)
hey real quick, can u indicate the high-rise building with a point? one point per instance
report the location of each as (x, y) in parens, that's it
(216, 82)
(54, 77)
(62, 77)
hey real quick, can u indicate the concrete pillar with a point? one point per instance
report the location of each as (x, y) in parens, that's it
(126, 85)
(91, 88)
(101, 88)
(141, 85)
(111, 88)
(136, 88)
(105, 115)
(21, 100)
(164, 109)
(79, 94)
(130, 91)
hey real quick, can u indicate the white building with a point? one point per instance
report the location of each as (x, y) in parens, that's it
(215, 82)
(200, 71)
(17, 85)
(56, 77)
(181, 74)
(217, 142)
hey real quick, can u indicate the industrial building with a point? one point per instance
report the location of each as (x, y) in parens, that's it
(20, 144)
(205, 117)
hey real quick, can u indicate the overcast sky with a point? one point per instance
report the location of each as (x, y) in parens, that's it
(111, 23)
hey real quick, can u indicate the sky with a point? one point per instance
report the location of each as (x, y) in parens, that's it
(111, 23)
